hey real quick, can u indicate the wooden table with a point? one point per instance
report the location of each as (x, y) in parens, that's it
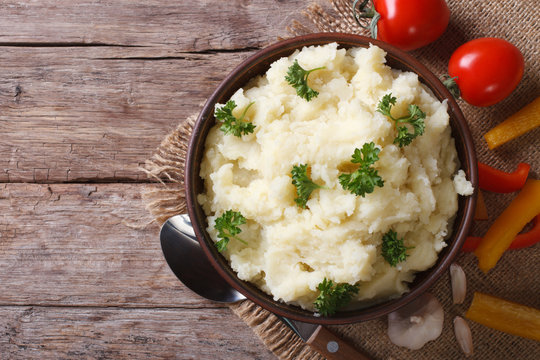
(88, 89)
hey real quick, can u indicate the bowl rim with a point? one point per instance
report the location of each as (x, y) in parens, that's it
(285, 48)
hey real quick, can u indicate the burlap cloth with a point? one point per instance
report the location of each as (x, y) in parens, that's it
(515, 276)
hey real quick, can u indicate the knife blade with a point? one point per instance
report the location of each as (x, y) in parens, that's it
(324, 341)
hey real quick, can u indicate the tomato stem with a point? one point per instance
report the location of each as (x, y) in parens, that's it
(451, 85)
(362, 12)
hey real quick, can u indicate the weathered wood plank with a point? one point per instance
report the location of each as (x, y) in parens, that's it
(90, 88)
(217, 24)
(96, 333)
(87, 90)
(78, 114)
(77, 245)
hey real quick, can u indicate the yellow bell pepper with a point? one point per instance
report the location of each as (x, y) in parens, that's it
(504, 315)
(524, 207)
(516, 125)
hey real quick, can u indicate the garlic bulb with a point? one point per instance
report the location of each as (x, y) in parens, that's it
(416, 323)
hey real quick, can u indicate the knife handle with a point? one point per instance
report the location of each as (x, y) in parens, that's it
(333, 347)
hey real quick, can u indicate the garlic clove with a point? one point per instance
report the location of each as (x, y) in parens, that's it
(459, 283)
(463, 335)
(418, 322)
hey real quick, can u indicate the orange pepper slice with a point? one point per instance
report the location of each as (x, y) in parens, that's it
(516, 125)
(480, 212)
(521, 241)
(504, 315)
(524, 207)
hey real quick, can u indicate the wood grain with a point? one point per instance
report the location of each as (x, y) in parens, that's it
(82, 245)
(117, 333)
(82, 275)
(189, 25)
(95, 114)
(333, 347)
(89, 88)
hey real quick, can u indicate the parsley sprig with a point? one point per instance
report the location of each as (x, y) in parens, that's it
(363, 180)
(304, 185)
(393, 249)
(227, 226)
(231, 124)
(333, 297)
(297, 77)
(415, 118)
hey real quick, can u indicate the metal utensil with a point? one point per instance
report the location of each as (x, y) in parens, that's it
(188, 262)
(190, 265)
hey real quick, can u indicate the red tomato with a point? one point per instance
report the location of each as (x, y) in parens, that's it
(410, 24)
(487, 70)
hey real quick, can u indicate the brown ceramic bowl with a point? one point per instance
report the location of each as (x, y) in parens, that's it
(259, 64)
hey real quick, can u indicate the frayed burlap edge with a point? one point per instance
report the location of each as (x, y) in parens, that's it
(333, 16)
(276, 336)
(167, 167)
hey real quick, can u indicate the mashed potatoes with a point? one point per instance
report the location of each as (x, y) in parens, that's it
(338, 236)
